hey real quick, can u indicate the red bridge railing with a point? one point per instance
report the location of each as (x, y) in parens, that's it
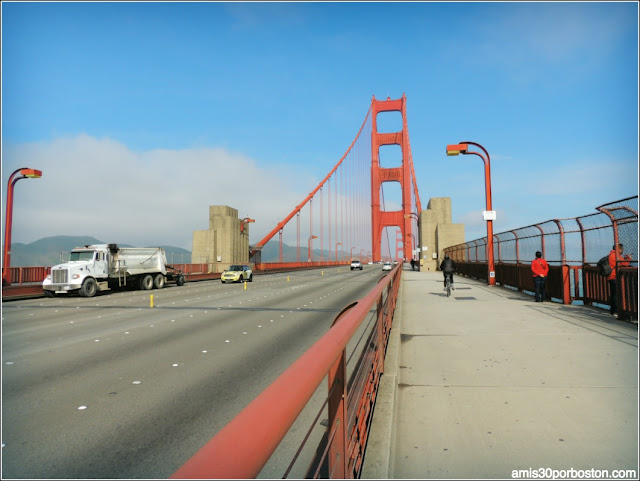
(243, 447)
(26, 281)
(25, 275)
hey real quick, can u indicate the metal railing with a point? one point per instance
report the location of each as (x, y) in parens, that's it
(245, 444)
(572, 248)
(26, 275)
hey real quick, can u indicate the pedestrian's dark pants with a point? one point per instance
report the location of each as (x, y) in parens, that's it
(539, 283)
(613, 298)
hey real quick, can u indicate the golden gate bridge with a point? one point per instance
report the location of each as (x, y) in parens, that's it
(346, 214)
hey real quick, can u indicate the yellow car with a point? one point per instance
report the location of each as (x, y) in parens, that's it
(237, 274)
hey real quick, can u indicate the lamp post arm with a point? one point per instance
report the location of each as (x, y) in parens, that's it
(487, 171)
(8, 219)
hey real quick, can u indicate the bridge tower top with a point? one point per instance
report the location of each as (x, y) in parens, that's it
(406, 217)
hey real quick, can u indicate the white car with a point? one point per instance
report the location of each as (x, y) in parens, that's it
(387, 266)
(356, 264)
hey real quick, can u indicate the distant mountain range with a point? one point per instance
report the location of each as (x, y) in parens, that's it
(271, 253)
(47, 252)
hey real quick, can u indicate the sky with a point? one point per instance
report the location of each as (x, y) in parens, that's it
(142, 115)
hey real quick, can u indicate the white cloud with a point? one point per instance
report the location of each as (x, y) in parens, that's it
(101, 188)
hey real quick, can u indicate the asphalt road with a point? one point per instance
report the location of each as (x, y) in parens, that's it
(108, 387)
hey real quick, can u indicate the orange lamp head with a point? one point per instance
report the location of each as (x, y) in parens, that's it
(31, 173)
(456, 149)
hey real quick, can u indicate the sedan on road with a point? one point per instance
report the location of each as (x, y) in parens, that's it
(387, 266)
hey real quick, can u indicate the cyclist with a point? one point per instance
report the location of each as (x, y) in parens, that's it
(448, 267)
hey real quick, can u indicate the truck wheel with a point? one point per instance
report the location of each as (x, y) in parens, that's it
(180, 280)
(48, 293)
(158, 281)
(89, 288)
(146, 282)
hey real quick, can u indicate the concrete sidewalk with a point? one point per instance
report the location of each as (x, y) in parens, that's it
(488, 381)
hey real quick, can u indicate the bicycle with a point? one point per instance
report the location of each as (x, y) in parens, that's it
(447, 284)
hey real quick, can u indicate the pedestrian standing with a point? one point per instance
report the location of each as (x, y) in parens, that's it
(616, 259)
(540, 270)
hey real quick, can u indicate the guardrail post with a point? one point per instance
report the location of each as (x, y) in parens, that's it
(338, 418)
(577, 272)
(566, 284)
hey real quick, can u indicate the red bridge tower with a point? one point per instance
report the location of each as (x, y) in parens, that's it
(400, 218)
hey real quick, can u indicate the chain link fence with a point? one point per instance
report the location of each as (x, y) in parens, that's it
(572, 247)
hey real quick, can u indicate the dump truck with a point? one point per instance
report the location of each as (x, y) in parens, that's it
(102, 267)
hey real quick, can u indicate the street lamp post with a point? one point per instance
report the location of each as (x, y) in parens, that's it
(414, 253)
(244, 222)
(415, 216)
(309, 252)
(247, 221)
(489, 214)
(25, 173)
(338, 244)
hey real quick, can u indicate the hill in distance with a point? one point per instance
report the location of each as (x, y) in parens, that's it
(271, 253)
(47, 252)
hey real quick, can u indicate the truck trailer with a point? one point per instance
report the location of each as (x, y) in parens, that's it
(102, 267)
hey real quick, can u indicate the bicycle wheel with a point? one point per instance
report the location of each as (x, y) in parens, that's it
(448, 286)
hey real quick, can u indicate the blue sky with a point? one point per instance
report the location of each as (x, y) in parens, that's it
(141, 115)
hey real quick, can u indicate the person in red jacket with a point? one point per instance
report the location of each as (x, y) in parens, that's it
(616, 259)
(540, 270)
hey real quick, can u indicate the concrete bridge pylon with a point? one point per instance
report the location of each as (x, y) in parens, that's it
(226, 242)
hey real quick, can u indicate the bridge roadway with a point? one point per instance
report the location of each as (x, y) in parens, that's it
(107, 387)
(488, 381)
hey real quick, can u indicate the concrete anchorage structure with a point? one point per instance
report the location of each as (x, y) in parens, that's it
(225, 243)
(437, 232)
